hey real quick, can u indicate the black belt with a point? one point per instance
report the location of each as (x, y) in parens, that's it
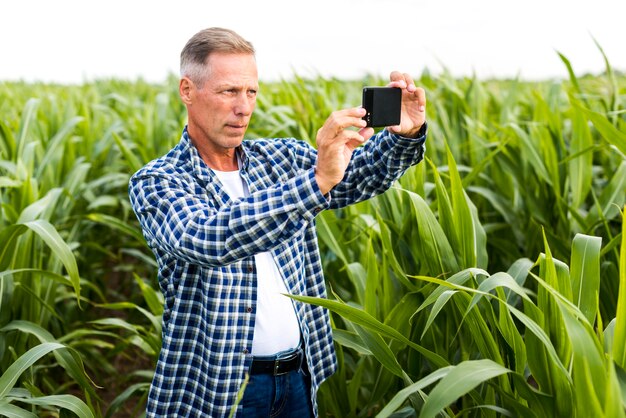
(276, 367)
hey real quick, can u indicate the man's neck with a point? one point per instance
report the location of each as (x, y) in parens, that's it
(222, 160)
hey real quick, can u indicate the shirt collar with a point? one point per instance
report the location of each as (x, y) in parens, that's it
(199, 166)
(200, 169)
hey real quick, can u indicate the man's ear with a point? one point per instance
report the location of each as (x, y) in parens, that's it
(185, 89)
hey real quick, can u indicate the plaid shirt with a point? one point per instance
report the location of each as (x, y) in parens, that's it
(205, 243)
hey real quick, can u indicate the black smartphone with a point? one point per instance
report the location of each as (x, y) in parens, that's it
(383, 105)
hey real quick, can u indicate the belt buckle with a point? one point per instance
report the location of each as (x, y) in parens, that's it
(277, 362)
(276, 366)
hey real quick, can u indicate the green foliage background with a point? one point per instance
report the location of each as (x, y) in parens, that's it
(489, 281)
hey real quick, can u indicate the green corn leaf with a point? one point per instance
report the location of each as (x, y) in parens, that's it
(498, 280)
(463, 219)
(543, 139)
(478, 322)
(615, 404)
(8, 182)
(398, 400)
(541, 336)
(439, 304)
(117, 224)
(131, 159)
(532, 154)
(445, 212)
(454, 282)
(461, 379)
(120, 399)
(155, 320)
(580, 167)
(585, 274)
(7, 141)
(480, 235)
(608, 335)
(614, 193)
(363, 318)
(240, 393)
(588, 361)
(12, 411)
(441, 259)
(68, 402)
(377, 346)
(59, 247)
(556, 277)
(611, 198)
(328, 232)
(356, 383)
(8, 237)
(36, 209)
(153, 299)
(608, 131)
(44, 273)
(25, 361)
(116, 323)
(390, 257)
(572, 76)
(373, 279)
(511, 334)
(68, 359)
(351, 340)
(56, 145)
(619, 336)
(29, 115)
(358, 278)
(519, 271)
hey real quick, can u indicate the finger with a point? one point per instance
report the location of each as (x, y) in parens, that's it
(396, 79)
(403, 81)
(421, 98)
(395, 128)
(339, 120)
(410, 84)
(366, 133)
(356, 139)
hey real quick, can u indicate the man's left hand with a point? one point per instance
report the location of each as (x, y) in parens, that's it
(413, 105)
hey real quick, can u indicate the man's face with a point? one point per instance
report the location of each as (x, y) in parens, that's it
(219, 112)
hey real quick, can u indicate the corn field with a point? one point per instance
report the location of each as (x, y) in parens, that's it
(489, 281)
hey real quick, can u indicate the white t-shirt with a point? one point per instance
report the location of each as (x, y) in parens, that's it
(276, 326)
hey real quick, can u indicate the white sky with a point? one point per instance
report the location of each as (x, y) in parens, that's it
(72, 41)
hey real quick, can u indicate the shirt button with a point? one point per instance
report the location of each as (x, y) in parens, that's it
(250, 268)
(249, 310)
(245, 351)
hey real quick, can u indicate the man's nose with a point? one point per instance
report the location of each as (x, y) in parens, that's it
(244, 104)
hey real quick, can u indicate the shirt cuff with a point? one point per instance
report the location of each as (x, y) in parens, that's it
(308, 196)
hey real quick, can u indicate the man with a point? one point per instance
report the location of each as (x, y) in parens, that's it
(231, 223)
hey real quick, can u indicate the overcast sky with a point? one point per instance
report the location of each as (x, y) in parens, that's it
(76, 41)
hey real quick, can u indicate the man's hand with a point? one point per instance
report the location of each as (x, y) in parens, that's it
(413, 105)
(335, 144)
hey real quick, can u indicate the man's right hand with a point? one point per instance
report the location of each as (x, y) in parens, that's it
(336, 143)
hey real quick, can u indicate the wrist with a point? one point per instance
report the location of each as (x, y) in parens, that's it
(324, 185)
(416, 133)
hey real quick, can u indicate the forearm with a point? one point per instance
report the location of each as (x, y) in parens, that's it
(191, 228)
(377, 165)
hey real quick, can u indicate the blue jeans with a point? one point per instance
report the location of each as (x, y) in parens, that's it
(281, 396)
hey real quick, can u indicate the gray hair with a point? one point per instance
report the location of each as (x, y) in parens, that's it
(194, 55)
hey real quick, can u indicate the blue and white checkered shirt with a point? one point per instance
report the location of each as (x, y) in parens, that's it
(205, 243)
